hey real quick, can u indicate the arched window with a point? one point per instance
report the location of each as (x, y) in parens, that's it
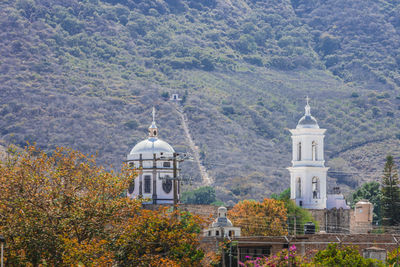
(314, 151)
(131, 187)
(315, 187)
(298, 187)
(147, 184)
(299, 151)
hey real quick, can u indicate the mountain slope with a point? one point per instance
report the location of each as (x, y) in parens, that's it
(85, 74)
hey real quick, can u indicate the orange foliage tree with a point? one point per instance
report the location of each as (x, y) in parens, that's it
(266, 218)
(62, 210)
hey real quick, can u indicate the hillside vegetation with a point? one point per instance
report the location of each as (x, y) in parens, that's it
(85, 74)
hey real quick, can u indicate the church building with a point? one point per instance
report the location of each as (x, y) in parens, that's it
(308, 174)
(153, 158)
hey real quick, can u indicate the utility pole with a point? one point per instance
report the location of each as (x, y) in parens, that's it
(140, 176)
(174, 182)
(2, 241)
(175, 179)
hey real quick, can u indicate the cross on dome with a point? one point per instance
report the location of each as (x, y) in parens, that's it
(308, 108)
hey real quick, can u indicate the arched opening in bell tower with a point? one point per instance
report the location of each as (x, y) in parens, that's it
(315, 187)
(314, 151)
(298, 187)
(299, 151)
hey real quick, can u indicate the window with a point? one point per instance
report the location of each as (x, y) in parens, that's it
(217, 233)
(315, 187)
(231, 233)
(298, 187)
(314, 151)
(299, 151)
(131, 187)
(131, 164)
(209, 233)
(147, 184)
(266, 251)
(167, 164)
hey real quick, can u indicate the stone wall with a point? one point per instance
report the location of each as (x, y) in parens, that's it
(333, 220)
(365, 243)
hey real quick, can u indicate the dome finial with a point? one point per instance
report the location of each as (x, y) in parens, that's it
(153, 131)
(307, 108)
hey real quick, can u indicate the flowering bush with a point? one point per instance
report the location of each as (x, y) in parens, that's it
(286, 257)
(333, 255)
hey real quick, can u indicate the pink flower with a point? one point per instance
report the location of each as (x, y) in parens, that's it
(286, 257)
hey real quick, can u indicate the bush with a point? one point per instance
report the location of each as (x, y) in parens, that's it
(204, 195)
(132, 124)
(254, 60)
(228, 110)
(165, 95)
(336, 255)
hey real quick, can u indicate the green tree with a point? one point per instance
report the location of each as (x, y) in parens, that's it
(203, 195)
(390, 193)
(370, 191)
(297, 216)
(336, 255)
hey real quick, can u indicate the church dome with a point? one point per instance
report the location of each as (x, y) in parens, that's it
(152, 145)
(307, 121)
(222, 221)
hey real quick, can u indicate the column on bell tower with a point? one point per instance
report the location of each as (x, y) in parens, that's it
(308, 172)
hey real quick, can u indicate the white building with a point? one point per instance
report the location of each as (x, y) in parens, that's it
(175, 97)
(222, 226)
(308, 174)
(153, 159)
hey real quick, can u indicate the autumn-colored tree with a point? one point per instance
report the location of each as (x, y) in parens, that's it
(63, 210)
(266, 218)
(149, 236)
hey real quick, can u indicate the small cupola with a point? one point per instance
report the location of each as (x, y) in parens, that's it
(307, 121)
(153, 131)
(222, 212)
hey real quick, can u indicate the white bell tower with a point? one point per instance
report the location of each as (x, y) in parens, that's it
(308, 172)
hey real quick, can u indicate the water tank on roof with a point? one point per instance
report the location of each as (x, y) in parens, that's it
(309, 228)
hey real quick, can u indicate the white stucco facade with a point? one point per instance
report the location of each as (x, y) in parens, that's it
(308, 173)
(222, 226)
(153, 160)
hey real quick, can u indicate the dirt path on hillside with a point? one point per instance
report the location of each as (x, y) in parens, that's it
(207, 180)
